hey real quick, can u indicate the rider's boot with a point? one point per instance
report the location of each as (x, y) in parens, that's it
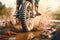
(17, 11)
(37, 11)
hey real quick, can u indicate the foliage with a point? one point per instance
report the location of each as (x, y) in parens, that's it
(4, 10)
(57, 15)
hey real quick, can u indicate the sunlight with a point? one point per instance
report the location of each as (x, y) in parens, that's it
(53, 4)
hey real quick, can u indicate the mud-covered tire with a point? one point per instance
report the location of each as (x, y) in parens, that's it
(23, 12)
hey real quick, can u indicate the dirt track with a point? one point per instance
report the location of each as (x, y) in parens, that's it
(22, 36)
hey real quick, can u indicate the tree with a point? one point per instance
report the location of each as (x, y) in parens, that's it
(4, 10)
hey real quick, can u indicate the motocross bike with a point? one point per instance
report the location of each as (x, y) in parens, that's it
(27, 14)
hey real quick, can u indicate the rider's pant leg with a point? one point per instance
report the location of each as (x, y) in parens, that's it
(18, 3)
(37, 1)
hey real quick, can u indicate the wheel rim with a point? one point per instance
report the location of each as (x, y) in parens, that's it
(28, 18)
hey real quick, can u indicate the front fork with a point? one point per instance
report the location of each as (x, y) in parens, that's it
(33, 8)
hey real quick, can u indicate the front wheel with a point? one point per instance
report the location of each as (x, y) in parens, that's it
(26, 16)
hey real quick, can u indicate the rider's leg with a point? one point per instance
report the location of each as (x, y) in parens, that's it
(18, 3)
(36, 7)
(17, 7)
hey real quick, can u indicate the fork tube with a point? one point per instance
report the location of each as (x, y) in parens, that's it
(33, 7)
(23, 1)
